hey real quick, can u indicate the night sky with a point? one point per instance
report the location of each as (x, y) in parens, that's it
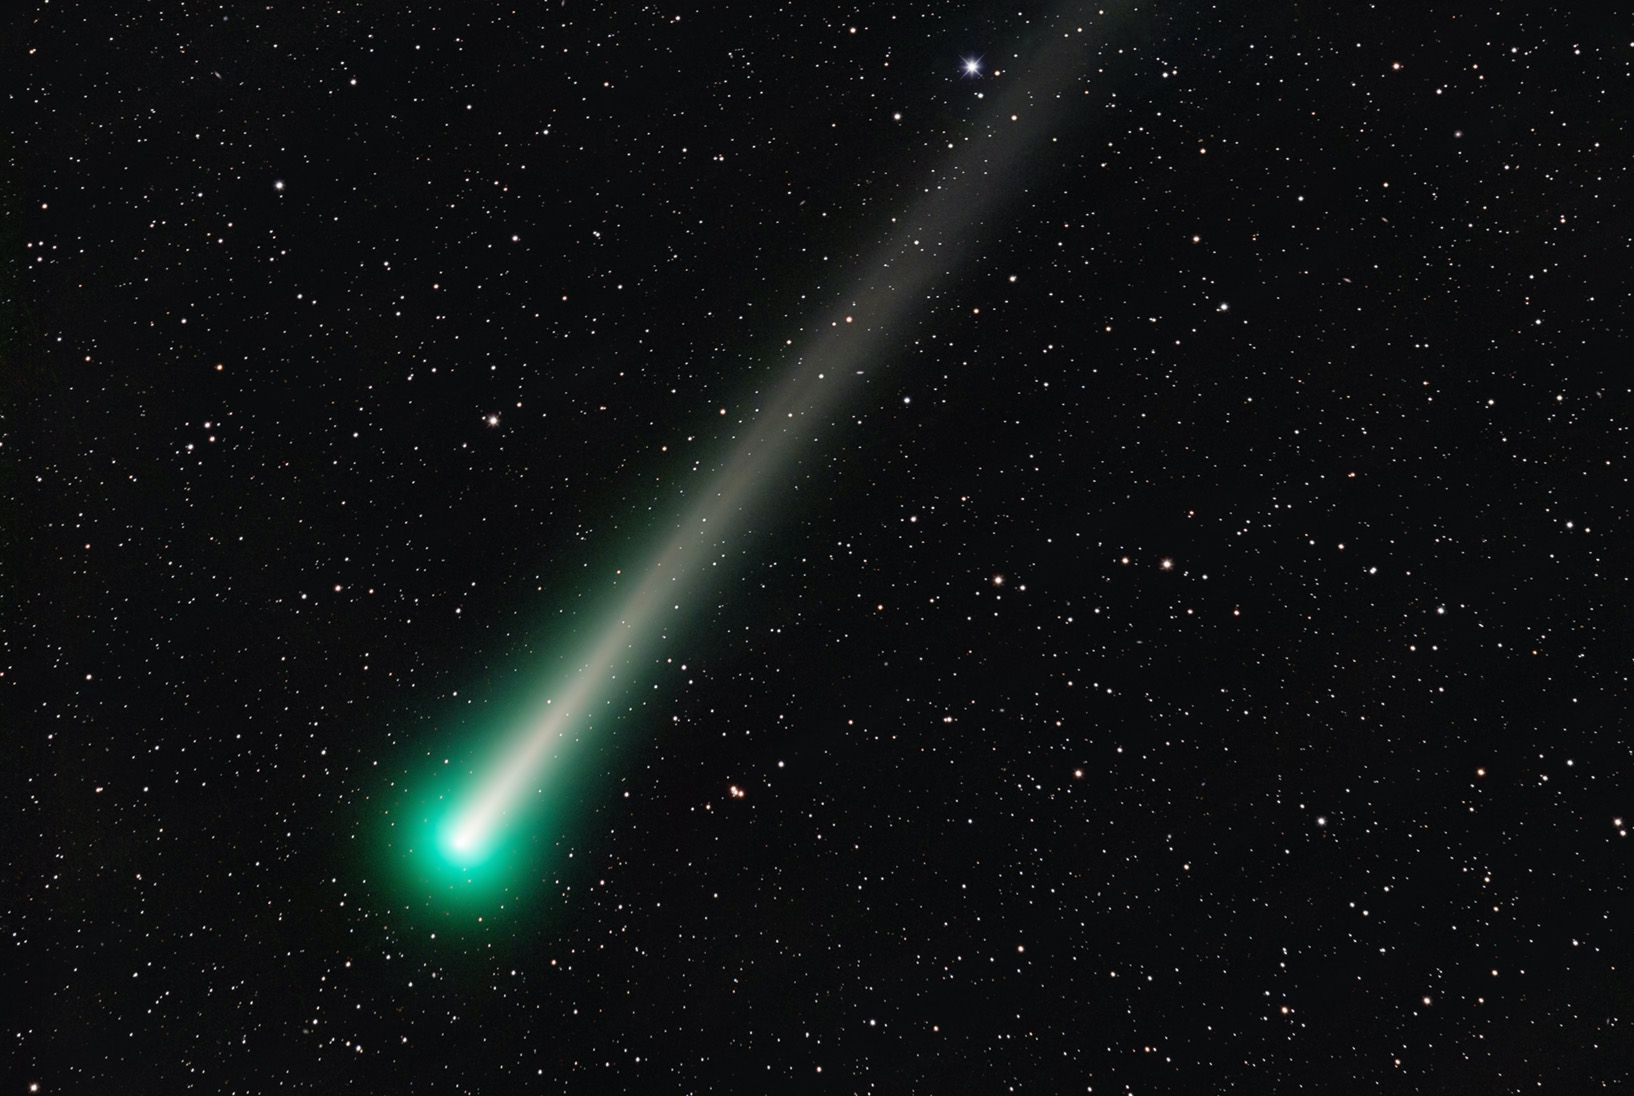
(1184, 650)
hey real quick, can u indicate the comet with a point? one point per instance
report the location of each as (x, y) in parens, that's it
(892, 283)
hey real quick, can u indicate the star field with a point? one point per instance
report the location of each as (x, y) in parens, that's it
(1190, 656)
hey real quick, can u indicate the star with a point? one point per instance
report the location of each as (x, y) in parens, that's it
(972, 66)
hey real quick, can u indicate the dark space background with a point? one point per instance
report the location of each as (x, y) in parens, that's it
(1198, 664)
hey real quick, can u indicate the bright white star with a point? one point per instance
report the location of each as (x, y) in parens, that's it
(973, 66)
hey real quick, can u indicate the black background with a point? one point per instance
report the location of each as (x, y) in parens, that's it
(1025, 807)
